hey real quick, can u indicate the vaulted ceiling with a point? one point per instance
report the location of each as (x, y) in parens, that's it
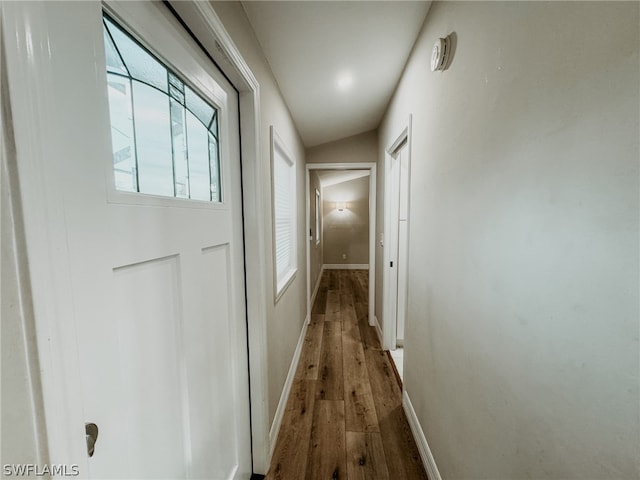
(337, 62)
(334, 177)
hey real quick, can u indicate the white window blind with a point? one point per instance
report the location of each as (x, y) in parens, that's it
(284, 212)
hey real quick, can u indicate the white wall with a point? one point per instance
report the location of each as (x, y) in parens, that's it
(521, 355)
(285, 319)
(346, 232)
(358, 148)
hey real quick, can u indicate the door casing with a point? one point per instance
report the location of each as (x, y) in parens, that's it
(390, 291)
(372, 227)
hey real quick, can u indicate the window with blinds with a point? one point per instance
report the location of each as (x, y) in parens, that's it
(284, 214)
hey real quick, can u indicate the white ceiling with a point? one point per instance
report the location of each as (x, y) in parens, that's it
(312, 46)
(333, 177)
(345, 185)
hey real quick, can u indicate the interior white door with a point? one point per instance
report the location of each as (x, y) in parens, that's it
(402, 160)
(398, 239)
(156, 285)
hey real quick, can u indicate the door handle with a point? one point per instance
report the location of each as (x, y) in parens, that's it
(91, 432)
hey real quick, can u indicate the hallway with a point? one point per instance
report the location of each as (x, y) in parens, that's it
(344, 417)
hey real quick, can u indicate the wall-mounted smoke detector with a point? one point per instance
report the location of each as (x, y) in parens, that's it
(440, 53)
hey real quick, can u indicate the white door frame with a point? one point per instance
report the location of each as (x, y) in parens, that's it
(371, 166)
(389, 316)
(55, 334)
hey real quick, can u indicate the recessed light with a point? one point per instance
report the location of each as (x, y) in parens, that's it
(344, 81)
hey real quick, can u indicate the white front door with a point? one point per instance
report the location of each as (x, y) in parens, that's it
(150, 330)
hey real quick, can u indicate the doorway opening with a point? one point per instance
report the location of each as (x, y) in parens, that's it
(340, 216)
(396, 238)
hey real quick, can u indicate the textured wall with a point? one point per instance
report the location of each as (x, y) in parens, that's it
(347, 232)
(521, 353)
(356, 149)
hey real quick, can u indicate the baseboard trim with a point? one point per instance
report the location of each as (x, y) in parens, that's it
(286, 390)
(345, 266)
(421, 441)
(378, 329)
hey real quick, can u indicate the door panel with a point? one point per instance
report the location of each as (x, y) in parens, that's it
(148, 311)
(212, 428)
(398, 243)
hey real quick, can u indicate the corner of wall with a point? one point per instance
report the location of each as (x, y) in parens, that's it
(421, 441)
(284, 396)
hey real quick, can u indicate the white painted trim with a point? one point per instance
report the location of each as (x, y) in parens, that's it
(421, 441)
(373, 185)
(371, 166)
(18, 264)
(286, 390)
(307, 223)
(346, 266)
(205, 24)
(25, 32)
(378, 329)
(388, 316)
(316, 214)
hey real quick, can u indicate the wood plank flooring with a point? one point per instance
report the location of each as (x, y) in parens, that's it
(344, 417)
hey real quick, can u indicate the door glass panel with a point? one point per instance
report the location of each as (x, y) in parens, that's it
(179, 138)
(164, 134)
(198, 145)
(114, 62)
(215, 169)
(214, 126)
(141, 64)
(153, 140)
(122, 141)
(199, 107)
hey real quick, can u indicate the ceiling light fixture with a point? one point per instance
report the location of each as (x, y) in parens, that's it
(344, 81)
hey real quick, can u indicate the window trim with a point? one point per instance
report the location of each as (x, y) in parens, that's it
(202, 82)
(280, 285)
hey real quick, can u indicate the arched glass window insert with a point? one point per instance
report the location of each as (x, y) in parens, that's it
(164, 135)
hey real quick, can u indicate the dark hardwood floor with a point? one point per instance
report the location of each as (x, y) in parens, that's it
(344, 417)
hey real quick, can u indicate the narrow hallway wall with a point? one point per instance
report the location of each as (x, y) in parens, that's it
(356, 149)
(522, 345)
(286, 317)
